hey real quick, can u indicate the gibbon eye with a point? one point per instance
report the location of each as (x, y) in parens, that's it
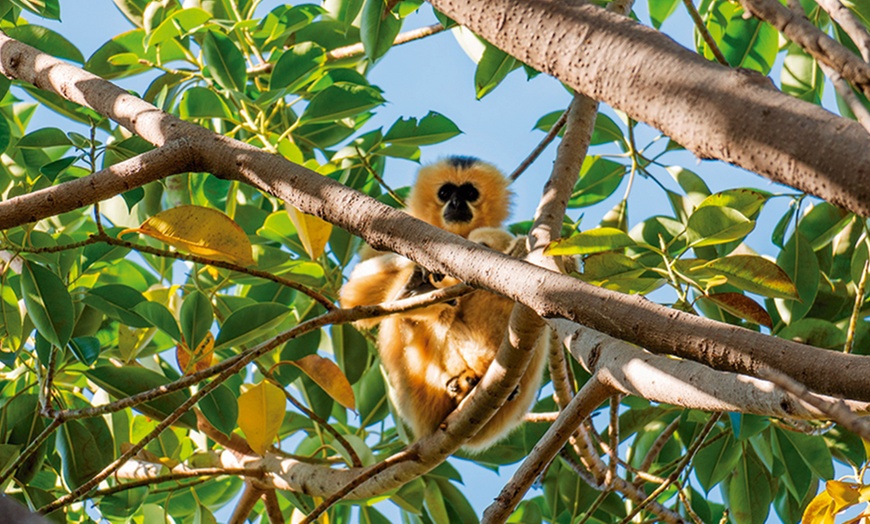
(468, 193)
(446, 192)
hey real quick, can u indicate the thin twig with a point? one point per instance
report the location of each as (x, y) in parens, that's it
(178, 475)
(658, 444)
(548, 417)
(613, 430)
(850, 24)
(402, 456)
(536, 152)
(379, 178)
(838, 410)
(705, 33)
(337, 316)
(862, 115)
(317, 419)
(581, 406)
(686, 460)
(856, 308)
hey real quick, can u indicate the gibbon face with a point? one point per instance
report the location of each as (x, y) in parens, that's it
(460, 194)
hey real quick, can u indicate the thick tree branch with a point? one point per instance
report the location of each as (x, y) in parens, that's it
(633, 319)
(850, 24)
(176, 157)
(713, 111)
(683, 383)
(813, 40)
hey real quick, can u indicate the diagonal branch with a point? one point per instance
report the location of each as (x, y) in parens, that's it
(813, 40)
(715, 112)
(850, 24)
(630, 318)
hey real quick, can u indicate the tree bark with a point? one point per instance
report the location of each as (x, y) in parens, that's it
(715, 112)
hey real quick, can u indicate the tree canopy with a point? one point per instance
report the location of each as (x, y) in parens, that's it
(171, 344)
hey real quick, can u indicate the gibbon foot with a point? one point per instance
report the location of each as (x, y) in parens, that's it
(459, 386)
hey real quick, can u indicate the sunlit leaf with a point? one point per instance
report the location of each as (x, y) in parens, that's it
(591, 241)
(48, 303)
(46, 41)
(198, 359)
(201, 231)
(329, 377)
(249, 323)
(432, 129)
(378, 28)
(493, 67)
(341, 101)
(313, 231)
(296, 66)
(261, 412)
(599, 178)
(754, 274)
(743, 307)
(224, 60)
(713, 225)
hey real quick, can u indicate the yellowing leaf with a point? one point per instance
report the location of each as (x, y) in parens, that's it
(820, 510)
(329, 377)
(742, 306)
(198, 359)
(313, 232)
(844, 494)
(261, 412)
(201, 231)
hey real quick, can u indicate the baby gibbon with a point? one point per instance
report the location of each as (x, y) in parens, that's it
(433, 356)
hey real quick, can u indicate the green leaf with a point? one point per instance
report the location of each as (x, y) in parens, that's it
(378, 29)
(103, 62)
(814, 332)
(224, 60)
(605, 131)
(46, 41)
(660, 10)
(197, 317)
(801, 76)
(44, 8)
(713, 225)
(822, 223)
(53, 169)
(249, 323)
(221, 408)
(754, 274)
(493, 67)
(341, 101)
(748, 201)
(748, 495)
(132, 9)
(432, 129)
(117, 301)
(599, 178)
(81, 452)
(5, 134)
(343, 10)
(715, 462)
(199, 102)
(297, 66)
(748, 43)
(434, 504)
(799, 262)
(121, 382)
(179, 23)
(591, 241)
(48, 303)
(86, 349)
(45, 137)
(160, 317)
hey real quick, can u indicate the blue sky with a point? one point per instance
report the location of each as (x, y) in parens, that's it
(435, 74)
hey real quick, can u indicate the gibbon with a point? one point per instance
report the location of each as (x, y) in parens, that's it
(435, 355)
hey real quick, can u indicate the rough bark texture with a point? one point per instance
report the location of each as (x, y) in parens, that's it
(714, 111)
(630, 318)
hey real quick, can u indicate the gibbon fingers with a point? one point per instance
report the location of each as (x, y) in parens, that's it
(433, 356)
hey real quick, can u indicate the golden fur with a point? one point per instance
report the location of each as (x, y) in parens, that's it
(435, 355)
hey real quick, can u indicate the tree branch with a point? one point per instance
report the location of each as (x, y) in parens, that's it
(850, 24)
(813, 40)
(715, 112)
(590, 396)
